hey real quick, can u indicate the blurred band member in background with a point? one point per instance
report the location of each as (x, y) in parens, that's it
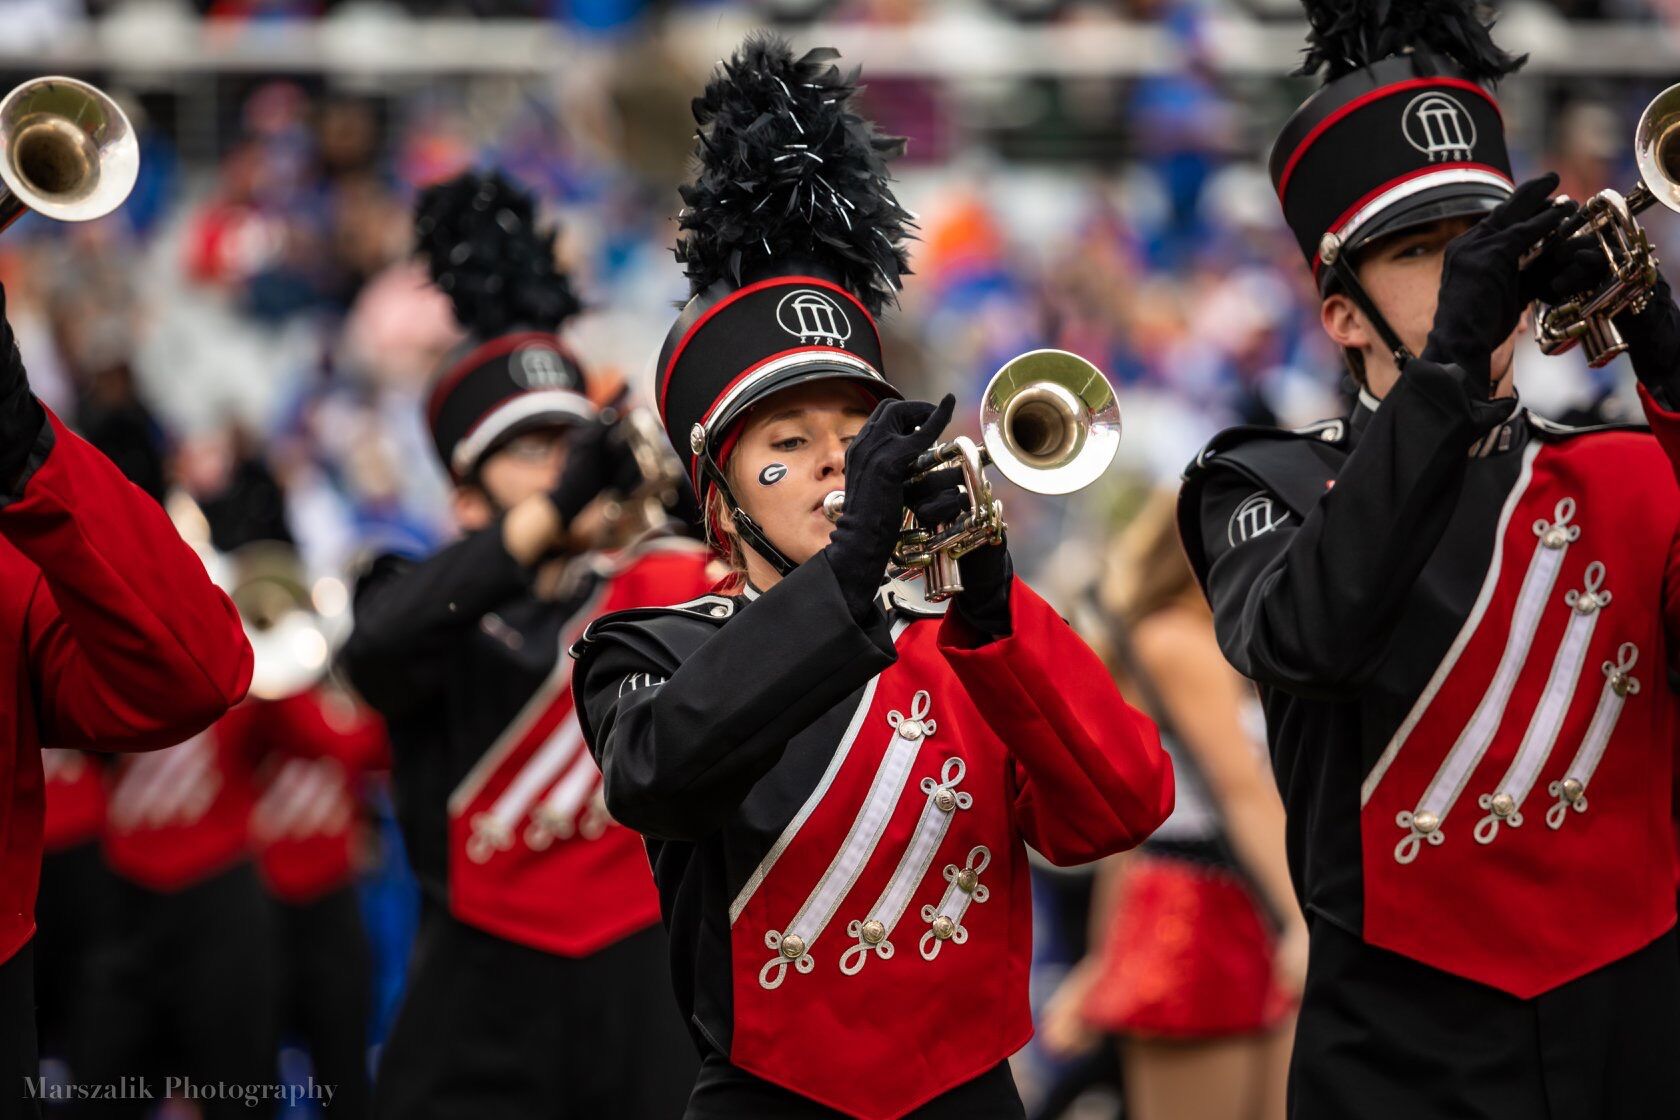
(539, 985)
(115, 639)
(1198, 946)
(318, 746)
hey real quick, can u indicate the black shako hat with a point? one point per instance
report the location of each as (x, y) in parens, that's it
(792, 241)
(1405, 130)
(479, 236)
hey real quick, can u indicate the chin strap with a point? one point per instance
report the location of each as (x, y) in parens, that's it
(1330, 252)
(745, 527)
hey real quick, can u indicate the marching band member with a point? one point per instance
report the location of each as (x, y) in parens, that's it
(838, 780)
(316, 747)
(539, 985)
(1460, 619)
(115, 639)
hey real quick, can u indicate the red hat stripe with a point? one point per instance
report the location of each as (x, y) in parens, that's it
(1347, 215)
(495, 348)
(1364, 99)
(688, 336)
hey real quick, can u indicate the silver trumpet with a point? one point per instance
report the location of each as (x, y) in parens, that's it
(1049, 422)
(1609, 216)
(67, 151)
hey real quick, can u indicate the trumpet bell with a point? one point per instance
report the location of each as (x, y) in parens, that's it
(1656, 145)
(288, 639)
(1050, 422)
(67, 151)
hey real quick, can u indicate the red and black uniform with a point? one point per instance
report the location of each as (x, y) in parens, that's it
(195, 932)
(838, 817)
(1460, 620)
(115, 638)
(538, 985)
(1462, 640)
(316, 748)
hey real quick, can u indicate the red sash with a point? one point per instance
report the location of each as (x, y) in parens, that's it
(533, 856)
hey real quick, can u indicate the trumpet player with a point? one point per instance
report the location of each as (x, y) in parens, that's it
(114, 639)
(1461, 620)
(838, 778)
(539, 986)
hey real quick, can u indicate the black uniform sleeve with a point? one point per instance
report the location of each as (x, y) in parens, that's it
(407, 615)
(680, 745)
(1306, 603)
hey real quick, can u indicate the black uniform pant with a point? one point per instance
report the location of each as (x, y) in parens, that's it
(73, 917)
(325, 983)
(489, 1028)
(184, 988)
(19, 1062)
(726, 1092)
(1382, 1037)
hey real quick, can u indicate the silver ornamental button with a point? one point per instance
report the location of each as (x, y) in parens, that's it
(1572, 789)
(944, 927)
(719, 611)
(944, 801)
(1426, 822)
(1587, 603)
(1328, 247)
(1556, 537)
(1621, 684)
(967, 880)
(793, 946)
(1503, 804)
(910, 729)
(697, 438)
(874, 932)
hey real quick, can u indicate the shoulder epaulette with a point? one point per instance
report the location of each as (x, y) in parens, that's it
(712, 610)
(1323, 431)
(1553, 430)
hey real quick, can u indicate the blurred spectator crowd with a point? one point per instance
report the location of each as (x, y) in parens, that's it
(254, 309)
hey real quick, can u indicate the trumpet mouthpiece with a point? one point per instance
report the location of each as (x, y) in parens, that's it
(834, 504)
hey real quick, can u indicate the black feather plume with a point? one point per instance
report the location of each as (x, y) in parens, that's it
(787, 169)
(479, 236)
(1349, 35)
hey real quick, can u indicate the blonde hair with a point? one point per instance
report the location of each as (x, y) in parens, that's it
(1147, 569)
(726, 544)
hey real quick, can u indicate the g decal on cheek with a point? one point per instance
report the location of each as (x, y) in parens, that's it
(772, 474)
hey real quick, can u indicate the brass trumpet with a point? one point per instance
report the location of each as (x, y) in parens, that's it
(1049, 422)
(1609, 216)
(66, 151)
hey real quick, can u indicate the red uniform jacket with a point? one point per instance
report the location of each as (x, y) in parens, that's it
(111, 637)
(1463, 643)
(533, 855)
(843, 815)
(314, 748)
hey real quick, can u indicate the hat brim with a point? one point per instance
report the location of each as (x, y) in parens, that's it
(804, 373)
(1451, 200)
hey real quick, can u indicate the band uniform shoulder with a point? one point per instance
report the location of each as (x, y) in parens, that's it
(1554, 431)
(665, 626)
(1231, 440)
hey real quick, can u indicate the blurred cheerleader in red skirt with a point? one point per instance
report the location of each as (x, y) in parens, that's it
(1198, 949)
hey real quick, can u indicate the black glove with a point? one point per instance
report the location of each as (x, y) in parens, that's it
(877, 466)
(1653, 338)
(987, 572)
(21, 415)
(1482, 292)
(598, 460)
